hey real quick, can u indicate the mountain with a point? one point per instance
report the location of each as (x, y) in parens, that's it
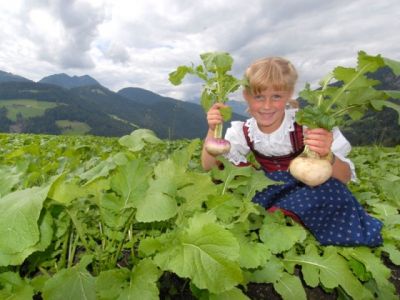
(140, 95)
(47, 108)
(9, 77)
(69, 82)
(238, 107)
(39, 107)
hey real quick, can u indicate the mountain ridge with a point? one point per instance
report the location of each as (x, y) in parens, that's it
(110, 113)
(68, 82)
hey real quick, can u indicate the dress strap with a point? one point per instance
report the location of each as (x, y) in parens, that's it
(274, 163)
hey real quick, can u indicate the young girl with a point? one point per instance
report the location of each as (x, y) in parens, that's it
(329, 210)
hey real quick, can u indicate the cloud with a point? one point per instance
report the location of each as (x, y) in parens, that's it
(137, 43)
(63, 30)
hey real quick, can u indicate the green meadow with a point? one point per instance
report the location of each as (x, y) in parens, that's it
(72, 127)
(28, 108)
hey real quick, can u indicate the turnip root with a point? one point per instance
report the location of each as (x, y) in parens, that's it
(217, 146)
(311, 171)
(310, 168)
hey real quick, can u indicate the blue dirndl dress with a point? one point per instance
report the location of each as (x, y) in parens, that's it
(329, 211)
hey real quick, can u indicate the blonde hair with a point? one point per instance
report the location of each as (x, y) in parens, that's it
(275, 73)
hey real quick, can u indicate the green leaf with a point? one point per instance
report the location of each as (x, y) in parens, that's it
(182, 157)
(214, 62)
(350, 75)
(197, 191)
(207, 100)
(375, 266)
(19, 217)
(393, 64)
(280, 237)
(148, 246)
(143, 282)
(177, 76)
(233, 294)
(391, 190)
(206, 253)
(130, 182)
(101, 170)
(138, 139)
(232, 176)
(253, 254)
(359, 269)
(226, 113)
(71, 284)
(64, 191)
(331, 269)
(256, 183)
(9, 179)
(368, 63)
(13, 287)
(271, 272)
(290, 287)
(110, 283)
(352, 97)
(160, 195)
(393, 251)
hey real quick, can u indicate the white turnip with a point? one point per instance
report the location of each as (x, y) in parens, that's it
(216, 146)
(310, 168)
(311, 171)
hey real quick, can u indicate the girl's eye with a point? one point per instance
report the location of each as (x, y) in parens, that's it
(259, 97)
(276, 97)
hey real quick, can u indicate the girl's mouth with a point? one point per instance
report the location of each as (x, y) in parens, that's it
(266, 114)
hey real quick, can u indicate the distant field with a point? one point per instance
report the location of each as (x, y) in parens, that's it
(27, 107)
(72, 127)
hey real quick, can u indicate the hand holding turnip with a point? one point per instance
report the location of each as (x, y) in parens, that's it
(350, 98)
(314, 165)
(214, 145)
(218, 85)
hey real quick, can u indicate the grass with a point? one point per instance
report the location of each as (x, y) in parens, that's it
(28, 108)
(73, 127)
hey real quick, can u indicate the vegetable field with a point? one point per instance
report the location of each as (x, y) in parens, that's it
(137, 218)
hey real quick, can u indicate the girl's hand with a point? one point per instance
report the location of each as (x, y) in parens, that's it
(318, 140)
(214, 116)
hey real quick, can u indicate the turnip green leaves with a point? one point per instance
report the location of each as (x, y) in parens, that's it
(348, 93)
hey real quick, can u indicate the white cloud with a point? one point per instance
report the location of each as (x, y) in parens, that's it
(125, 43)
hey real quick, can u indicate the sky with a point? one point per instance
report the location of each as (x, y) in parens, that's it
(137, 43)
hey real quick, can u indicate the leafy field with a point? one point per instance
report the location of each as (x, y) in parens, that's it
(28, 108)
(137, 218)
(72, 127)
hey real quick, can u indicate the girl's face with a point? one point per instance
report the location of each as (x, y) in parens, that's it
(268, 108)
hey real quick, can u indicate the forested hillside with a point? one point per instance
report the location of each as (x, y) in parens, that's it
(106, 113)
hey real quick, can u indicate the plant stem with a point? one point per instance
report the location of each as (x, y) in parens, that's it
(326, 83)
(121, 243)
(310, 153)
(218, 131)
(79, 230)
(345, 87)
(342, 111)
(64, 253)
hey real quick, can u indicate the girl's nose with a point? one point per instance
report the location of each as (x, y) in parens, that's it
(267, 103)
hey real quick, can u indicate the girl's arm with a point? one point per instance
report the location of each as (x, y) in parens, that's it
(341, 170)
